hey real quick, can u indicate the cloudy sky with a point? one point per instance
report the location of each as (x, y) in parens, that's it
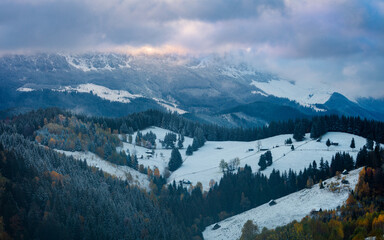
(338, 42)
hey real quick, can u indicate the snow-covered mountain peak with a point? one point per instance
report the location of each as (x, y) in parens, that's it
(95, 62)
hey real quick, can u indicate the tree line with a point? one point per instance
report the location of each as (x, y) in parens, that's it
(28, 123)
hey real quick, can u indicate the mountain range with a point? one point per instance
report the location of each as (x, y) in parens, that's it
(212, 89)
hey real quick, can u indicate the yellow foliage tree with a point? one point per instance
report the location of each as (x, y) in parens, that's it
(336, 229)
(149, 172)
(156, 172)
(378, 223)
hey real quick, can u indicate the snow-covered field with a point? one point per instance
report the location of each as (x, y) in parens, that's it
(292, 207)
(122, 172)
(203, 165)
(161, 156)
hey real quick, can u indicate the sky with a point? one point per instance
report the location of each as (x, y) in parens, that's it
(336, 42)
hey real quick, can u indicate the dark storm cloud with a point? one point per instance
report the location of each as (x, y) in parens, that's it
(71, 24)
(51, 25)
(290, 28)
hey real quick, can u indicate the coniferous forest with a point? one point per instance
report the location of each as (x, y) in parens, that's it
(45, 195)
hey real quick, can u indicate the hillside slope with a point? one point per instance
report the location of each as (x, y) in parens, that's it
(287, 209)
(203, 165)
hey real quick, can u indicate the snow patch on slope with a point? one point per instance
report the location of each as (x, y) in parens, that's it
(102, 92)
(25, 89)
(121, 172)
(170, 106)
(303, 95)
(236, 73)
(260, 93)
(292, 207)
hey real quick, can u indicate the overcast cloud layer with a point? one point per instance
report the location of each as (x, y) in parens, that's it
(340, 42)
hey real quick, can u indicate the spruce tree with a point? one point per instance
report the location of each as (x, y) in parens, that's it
(315, 133)
(328, 143)
(189, 151)
(130, 130)
(78, 146)
(169, 140)
(268, 158)
(123, 128)
(175, 161)
(199, 135)
(107, 151)
(262, 162)
(299, 131)
(348, 161)
(362, 156)
(288, 141)
(195, 144)
(369, 144)
(353, 143)
(180, 142)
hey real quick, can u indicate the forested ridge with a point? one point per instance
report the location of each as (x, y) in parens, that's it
(89, 201)
(46, 195)
(361, 216)
(28, 123)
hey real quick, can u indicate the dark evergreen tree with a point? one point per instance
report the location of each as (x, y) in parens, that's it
(361, 158)
(268, 158)
(315, 131)
(353, 146)
(288, 141)
(299, 131)
(195, 144)
(314, 165)
(107, 150)
(180, 142)
(292, 147)
(139, 136)
(78, 146)
(175, 161)
(169, 140)
(328, 142)
(369, 144)
(340, 162)
(199, 135)
(134, 162)
(123, 128)
(189, 150)
(130, 131)
(262, 162)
